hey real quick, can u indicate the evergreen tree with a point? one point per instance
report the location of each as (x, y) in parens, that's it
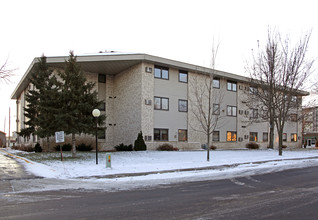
(140, 143)
(77, 100)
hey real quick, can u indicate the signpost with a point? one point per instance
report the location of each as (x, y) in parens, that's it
(59, 138)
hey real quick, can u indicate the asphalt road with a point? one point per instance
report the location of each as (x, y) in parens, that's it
(291, 194)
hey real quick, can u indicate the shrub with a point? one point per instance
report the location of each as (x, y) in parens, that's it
(84, 147)
(27, 148)
(140, 143)
(167, 147)
(252, 145)
(65, 147)
(38, 148)
(212, 147)
(122, 147)
(284, 146)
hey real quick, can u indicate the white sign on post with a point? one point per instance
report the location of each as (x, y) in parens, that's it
(59, 136)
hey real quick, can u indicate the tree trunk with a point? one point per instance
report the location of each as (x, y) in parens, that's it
(280, 145)
(48, 143)
(73, 146)
(271, 135)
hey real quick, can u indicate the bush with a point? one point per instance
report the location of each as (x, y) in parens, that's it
(284, 146)
(122, 147)
(252, 145)
(65, 147)
(27, 148)
(140, 143)
(167, 147)
(84, 147)
(212, 147)
(38, 148)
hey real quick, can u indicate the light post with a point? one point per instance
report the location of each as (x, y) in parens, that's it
(96, 114)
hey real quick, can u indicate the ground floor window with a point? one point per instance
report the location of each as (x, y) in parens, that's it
(294, 137)
(161, 134)
(265, 136)
(182, 135)
(231, 136)
(253, 136)
(216, 136)
(284, 136)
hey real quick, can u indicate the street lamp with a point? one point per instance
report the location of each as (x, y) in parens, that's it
(96, 114)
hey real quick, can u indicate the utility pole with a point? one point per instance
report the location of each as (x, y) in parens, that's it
(9, 127)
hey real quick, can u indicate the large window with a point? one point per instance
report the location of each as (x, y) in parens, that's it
(231, 86)
(161, 103)
(183, 105)
(231, 136)
(182, 135)
(183, 76)
(231, 111)
(253, 136)
(294, 137)
(216, 109)
(161, 72)
(254, 113)
(216, 83)
(161, 134)
(265, 136)
(216, 136)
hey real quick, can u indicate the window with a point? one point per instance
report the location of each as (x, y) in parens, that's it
(284, 137)
(231, 86)
(101, 78)
(253, 90)
(160, 134)
(182, 135)
(161, 72)
(294, 98)
(216, 136)
(183, 105)
(231, 136)
(231, 111)
(216, 83)
(294, 137)
(254, 113)
(216, 109)
(161, 103)
(253, 136)
(101, 134)
(265, 136)
(293, 117)
(183, 76)
(102, 106)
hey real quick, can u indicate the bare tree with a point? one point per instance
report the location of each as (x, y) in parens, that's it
(5, 73)
(206, 102)
(279, 72)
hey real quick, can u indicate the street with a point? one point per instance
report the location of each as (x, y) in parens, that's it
(291, 194)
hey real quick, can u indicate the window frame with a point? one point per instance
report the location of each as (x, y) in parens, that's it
(233, 138)
(216, 111)
(254, 113)
(293, 137)
(284, 137)
(182, 100)
(216, 80)
(186, 134)
(253, 136)
(101, 78)
(160, 134)
(161, 68)
(161, 98)
(231, 85)
(231, 107)
(185, 73)
(218, 136)
(265, 140)
(293, 117)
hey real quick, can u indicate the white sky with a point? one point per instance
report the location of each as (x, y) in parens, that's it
(182, 30)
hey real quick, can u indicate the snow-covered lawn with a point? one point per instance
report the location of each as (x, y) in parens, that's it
(49, 165)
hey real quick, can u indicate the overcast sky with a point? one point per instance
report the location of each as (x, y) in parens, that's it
(180, 30)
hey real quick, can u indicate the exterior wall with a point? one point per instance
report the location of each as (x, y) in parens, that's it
(3, 142)
(127, 105)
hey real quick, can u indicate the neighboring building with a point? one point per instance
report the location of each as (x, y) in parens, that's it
(310, 126)
(152, 94)
(3, 141)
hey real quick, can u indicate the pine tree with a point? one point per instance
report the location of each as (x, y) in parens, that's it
(77, 100)
(140, 143)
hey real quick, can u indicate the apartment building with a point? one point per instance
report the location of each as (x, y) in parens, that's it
(157, 96)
